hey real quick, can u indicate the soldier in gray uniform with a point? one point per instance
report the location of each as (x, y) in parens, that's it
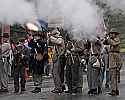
(4, 64)
(69, 63)
(77, 70)
(93, 69)
(58, 69)
(105, 67)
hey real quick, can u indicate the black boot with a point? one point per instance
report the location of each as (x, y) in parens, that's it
(63, 88)
(4, 91)
(56, 91)
(69, 91)
(23, 87)
(16, 91)
(23, 90)
(36, 90)
(74, 91)
(94, 91)
(117, 92)
(90, 92)
(106, 86)
(113, 93)
(99, 90)
(79, 90)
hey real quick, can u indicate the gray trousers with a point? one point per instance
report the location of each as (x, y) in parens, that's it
(102, 76)
(69, 77)
(77, 76)
(19, 72)
(93, 77)
(104, 68)
(37, 80)
(74, 77)
(4, 74)
(80, 79)
(56, 75)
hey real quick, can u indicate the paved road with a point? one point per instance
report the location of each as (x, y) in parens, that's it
(47, 95)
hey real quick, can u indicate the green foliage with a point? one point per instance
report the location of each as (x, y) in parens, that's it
(117, 20)
(114, 19)
(17, 32)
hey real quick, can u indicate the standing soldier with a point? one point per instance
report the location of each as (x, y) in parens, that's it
(93, 69)
(114, 60)
(105, 66)
(69, 63)
(87, 51)
(77, 70)
(38, 64)
(4, 63)
(20, 63)
(58, 69)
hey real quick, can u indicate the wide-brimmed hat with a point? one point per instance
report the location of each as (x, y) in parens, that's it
(114, 31)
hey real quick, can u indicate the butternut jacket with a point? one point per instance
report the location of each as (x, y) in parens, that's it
(114, 53)
(114, 45)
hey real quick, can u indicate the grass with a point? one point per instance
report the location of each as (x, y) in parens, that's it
(122, 50)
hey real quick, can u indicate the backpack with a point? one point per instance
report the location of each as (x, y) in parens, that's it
(38, 56)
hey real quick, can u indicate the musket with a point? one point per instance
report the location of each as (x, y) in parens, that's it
(72, 58)
(72, 55)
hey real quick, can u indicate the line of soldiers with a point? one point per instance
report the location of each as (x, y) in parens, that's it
(97, 55)
(13, 61)
(75, 55)
(24, 54)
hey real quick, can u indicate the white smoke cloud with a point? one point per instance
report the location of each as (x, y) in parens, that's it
(16, 11)
(48, 8)
(83, 15)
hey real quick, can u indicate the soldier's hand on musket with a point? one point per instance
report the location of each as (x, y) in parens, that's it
(73, 49)
(106, 41)
(23, 56)
(68, 51)
(49, 34)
